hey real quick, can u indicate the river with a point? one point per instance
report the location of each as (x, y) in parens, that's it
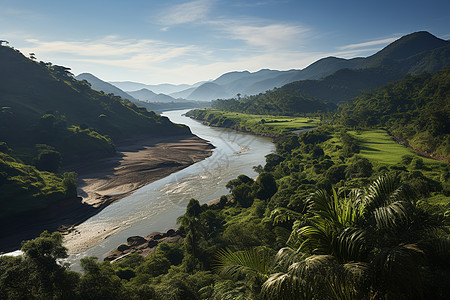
(156, 206)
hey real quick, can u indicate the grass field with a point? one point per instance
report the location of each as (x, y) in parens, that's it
(378, 146)
(278, 124)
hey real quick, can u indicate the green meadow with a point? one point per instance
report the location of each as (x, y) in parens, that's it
(255, 123)
(377, 145)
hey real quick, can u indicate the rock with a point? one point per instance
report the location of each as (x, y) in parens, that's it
(123, 247)
(152, 235)
(136, 240)
(173, 239)
(152, 243)
(144, 246)
(170, 232)
(110, 257)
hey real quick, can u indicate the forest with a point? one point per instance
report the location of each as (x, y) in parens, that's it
(329, 215)
(54, 121)
(319, 222)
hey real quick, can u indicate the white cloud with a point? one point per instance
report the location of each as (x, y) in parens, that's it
(186, 12)
(270, 37)
(368, 44)
(111, 49)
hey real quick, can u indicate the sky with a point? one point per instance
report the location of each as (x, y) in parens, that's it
(172, 41)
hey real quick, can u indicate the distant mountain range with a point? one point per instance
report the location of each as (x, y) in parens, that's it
(148, 96)
(100, 85)
(415, 53)
(144, 95)
(164, 88)
(412, 54)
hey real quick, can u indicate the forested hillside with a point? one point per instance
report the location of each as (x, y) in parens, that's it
(348, 226)
(276, 102)
(48, 119)
(416, 110)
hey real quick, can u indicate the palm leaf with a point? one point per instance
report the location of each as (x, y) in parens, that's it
(283, 215)
(229, 263)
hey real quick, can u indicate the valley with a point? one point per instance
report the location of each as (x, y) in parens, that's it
(293, 184)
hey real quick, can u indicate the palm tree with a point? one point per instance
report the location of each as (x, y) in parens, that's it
(363, 246)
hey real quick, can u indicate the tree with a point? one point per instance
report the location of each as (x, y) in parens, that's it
(368, 244)
(99, 281)
(49, 160)
(37, 273)
(346, 238)
(192, 224)
(266, 186)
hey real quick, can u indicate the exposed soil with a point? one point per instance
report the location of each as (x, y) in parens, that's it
(138, 162)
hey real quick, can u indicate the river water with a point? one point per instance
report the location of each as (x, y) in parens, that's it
(156, 206)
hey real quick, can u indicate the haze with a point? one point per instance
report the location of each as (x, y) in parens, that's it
(189, 41)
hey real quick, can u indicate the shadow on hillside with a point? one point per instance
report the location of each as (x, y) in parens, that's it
(58, 216)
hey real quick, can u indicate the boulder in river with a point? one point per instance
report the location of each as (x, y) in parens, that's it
(144, 246)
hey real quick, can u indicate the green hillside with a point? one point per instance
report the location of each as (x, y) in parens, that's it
(415, 109)
(30, 90)
(412, 54)
(49, 119)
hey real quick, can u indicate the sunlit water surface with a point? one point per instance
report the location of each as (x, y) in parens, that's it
(156, 206)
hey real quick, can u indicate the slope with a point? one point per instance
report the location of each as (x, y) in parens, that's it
(100, 85)
(411, 54)
(416, 110)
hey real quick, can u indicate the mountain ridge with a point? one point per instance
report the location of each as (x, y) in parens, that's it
(406, 54)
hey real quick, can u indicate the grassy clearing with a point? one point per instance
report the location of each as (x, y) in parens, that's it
(258, 123)
(377, 145)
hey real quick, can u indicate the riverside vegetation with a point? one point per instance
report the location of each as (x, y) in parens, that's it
(49, 120)
(339, 212)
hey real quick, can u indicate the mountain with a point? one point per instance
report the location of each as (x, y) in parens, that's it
(164, 88)
(48, 121)
(146, 95)
(411, 54)
(184, 94)
(208, 91)
(107, 88)
(36, 97)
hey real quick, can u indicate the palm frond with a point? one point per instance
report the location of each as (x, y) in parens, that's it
(349, 244)
(282, 215)
(398, 270)
(391, 215)
(287, 256)
(281, 286)
(229, 263)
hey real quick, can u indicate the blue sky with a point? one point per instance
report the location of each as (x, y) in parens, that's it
(175, 41)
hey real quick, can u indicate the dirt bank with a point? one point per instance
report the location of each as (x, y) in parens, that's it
(138, 162)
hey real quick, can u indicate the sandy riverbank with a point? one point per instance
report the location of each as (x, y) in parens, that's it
(138, 162)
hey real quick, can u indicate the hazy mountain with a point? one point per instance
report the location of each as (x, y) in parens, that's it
(414, 53)
(107, 88)
(164, 88)
(208, 91)
(149, 96)
(183, 94)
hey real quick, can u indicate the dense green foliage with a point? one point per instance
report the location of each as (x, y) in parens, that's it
(416, 110)
(52, 100)
(49, 119)
(347, 226)
(275, 102)
(340, 212)
(23, 187)
(258, 124)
